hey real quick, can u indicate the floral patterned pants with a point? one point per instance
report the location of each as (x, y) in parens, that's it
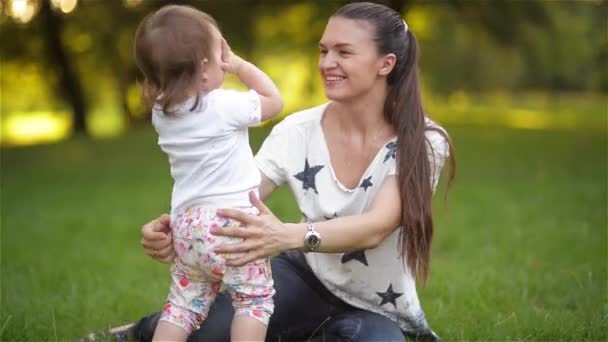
(198, 273)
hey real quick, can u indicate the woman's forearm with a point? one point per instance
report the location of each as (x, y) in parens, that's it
(343, 234)
(349, 233)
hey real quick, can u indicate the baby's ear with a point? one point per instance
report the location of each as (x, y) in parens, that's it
(204, 63)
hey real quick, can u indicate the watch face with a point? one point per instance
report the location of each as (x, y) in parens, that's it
(313, 240)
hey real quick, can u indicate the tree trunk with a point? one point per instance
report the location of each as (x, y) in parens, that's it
(70, 88)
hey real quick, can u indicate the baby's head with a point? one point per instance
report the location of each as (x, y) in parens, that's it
(179, 50)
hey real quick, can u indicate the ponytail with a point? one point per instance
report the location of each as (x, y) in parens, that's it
(403, 110)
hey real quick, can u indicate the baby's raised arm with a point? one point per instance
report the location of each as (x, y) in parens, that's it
(255, 79)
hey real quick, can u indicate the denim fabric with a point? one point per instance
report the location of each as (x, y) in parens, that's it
(304, 311)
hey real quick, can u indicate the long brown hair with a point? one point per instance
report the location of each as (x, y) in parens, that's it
(170, 45)
(403, 109)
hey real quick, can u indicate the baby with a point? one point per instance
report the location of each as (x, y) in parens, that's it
(203, 131)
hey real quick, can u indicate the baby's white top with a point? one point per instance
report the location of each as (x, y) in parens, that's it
(208, 148)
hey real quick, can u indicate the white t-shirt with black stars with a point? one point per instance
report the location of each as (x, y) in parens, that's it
(296, 153)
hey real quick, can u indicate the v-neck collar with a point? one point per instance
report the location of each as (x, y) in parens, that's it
(327, 155)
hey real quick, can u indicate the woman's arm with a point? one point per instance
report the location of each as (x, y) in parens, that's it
(267, 187)
(265, 235)
(157, 240)
(357, 232)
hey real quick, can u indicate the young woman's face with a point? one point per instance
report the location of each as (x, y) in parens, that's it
(349, 62)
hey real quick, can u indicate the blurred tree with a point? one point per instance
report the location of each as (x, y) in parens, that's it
(100, 39)
(513, 45)
(467, 45)
(506, 20)
(70, 88)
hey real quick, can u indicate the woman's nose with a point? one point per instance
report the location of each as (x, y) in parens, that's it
(327, 61)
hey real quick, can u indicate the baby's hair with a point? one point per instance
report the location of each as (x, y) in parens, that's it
(170, 44)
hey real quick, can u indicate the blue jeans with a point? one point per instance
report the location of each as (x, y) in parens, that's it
(304, 311)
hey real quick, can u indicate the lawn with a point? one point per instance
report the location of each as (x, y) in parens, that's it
(520, 253)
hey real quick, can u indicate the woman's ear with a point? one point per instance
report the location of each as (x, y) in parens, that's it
(388, 63)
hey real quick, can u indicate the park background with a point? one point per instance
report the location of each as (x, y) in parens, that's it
(520, 252)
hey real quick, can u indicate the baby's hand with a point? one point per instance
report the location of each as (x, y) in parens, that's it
(230, 61)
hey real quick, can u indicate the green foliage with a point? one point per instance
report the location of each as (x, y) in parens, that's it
(569, 54)
(512, 45)
(467, 46)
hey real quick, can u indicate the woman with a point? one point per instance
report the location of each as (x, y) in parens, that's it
(363, 169)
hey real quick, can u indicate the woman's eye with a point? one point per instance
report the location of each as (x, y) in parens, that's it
(345, 53)
(323, 52)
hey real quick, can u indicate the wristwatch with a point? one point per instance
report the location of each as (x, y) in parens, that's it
(312, 239)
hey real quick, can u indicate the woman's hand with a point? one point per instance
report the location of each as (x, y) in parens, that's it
(157, 240)
(263, 236)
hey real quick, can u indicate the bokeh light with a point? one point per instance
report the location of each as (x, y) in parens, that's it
(29, 128)
(132, 3)
(23, 11)
(65, 6)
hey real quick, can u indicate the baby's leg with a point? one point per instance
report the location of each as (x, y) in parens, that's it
(245, 328)
(251, 288)
(166, 331)
(188, 303)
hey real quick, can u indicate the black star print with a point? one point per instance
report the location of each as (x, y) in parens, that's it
(389, 296)
(392, 151)
(367, 182)
(356, 255)
(333, 217)
(308, 176)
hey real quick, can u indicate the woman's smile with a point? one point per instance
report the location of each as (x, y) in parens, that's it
(333, 80)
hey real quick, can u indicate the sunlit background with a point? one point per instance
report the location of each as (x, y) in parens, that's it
(67, 67)
(521, 87)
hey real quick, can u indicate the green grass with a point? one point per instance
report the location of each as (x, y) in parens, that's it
(519, 255)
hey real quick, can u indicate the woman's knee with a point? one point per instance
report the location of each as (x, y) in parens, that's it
(144, 329)
(361, 326)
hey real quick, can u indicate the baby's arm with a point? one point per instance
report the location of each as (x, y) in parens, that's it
(255, 79)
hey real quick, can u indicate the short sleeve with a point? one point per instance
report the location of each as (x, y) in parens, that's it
(155, 120)
(391, 158)
(271, 159)
(392, 169)
(438, 151)
(238, 109)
